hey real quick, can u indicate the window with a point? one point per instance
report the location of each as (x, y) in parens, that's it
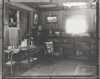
(76, 25)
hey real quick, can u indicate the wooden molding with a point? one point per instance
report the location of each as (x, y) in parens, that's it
(20, 6)
(30, 0)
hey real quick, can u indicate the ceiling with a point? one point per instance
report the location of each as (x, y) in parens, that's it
(30, 0)
(58, 1)
(54, 1)
(47, 3)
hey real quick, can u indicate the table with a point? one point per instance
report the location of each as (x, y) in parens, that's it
(24, 54)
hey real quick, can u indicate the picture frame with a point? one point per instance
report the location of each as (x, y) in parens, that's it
(51, 19)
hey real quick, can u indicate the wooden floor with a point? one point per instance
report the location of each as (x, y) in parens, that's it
(61, 67)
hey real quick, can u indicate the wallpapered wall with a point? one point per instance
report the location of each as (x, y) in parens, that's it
(63, 15)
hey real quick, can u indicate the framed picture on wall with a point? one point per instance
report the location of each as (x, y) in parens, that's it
(51, 19)
(12, 14)
(35, 17)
